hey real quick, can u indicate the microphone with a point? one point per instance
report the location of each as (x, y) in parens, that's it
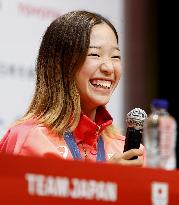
(135, 122)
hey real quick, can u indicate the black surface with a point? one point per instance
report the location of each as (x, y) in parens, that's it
(168, 57)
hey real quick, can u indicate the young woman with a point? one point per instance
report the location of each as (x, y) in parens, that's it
(78, 68)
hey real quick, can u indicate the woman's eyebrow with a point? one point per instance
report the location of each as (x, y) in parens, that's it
(98, 47)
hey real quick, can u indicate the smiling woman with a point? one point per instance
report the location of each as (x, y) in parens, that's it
(99, 75)
(78, 68)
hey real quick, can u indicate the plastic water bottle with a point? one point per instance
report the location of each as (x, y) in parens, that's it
(159, 136)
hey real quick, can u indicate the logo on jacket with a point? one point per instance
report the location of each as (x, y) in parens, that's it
(110, 155)
(63, 151)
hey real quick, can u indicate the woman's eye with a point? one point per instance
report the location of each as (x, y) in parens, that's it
(118, 57)
(93, 54)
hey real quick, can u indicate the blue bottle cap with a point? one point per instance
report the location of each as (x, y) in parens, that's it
(160, 103)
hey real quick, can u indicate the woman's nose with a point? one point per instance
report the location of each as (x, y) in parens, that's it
(107, 67)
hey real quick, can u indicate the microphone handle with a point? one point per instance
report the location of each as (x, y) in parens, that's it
(133, 139)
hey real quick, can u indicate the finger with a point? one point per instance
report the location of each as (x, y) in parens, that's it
(117, 159)
(131, 153)
(136, 162)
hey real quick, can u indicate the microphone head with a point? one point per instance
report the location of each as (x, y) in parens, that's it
(135, 118)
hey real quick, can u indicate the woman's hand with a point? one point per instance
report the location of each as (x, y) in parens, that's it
(124, 159)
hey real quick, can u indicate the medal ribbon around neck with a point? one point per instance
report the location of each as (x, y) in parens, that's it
(73, 147)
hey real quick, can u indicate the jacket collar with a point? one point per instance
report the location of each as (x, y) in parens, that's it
(88, 131)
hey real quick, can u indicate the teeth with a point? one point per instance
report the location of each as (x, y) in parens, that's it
(101, 83)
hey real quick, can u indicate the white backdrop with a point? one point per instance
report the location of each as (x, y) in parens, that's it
(22, 24)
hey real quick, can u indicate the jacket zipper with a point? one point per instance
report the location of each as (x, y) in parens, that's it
(98, 129)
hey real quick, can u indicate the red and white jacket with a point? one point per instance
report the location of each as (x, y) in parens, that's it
(33, 139)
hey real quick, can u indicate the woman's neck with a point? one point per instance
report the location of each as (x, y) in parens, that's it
(90, 113)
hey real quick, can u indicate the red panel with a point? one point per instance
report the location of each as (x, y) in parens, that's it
(28, 180)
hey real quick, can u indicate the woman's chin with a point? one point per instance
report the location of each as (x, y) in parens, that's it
(100, 101)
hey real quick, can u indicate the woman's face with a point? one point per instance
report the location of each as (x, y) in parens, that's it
(99, 75)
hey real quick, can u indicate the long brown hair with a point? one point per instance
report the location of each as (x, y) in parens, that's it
(56, 101)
